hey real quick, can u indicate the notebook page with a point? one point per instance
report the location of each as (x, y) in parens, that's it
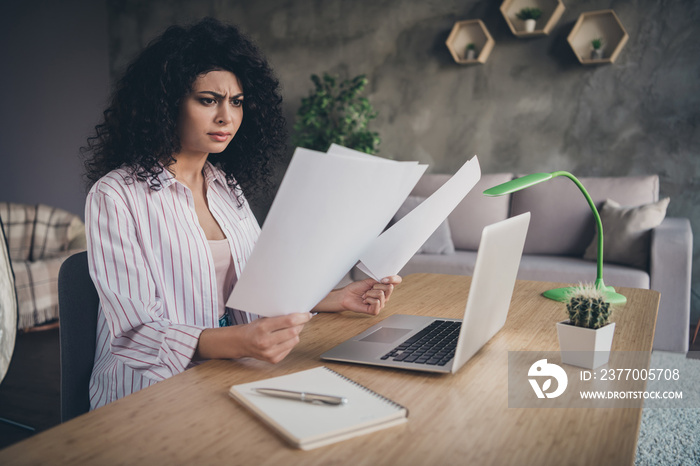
(303, 422)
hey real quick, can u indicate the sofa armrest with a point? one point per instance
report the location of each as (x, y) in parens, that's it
(670, 273)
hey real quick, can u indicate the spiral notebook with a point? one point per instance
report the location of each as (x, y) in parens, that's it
(310, 425)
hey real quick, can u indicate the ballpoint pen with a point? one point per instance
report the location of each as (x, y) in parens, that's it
(303, 396)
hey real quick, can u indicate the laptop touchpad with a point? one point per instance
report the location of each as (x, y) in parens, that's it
(386, 334)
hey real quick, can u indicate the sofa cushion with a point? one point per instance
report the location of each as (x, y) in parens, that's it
(440, 242)
(562, 222)
(474, 212)
(627, 232)
(459, 263)
(566, 270)
(574, 270)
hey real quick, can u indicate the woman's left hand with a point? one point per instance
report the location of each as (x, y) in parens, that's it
(366, 296)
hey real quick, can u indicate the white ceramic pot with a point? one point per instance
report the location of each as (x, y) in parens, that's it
(471, 54)
(596, 54)
(585, 347)
(530, 25)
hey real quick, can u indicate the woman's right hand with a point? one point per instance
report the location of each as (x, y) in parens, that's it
(267, 339)
(271, 338)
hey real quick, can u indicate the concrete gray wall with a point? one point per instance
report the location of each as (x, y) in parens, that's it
(532, 107)
(53, 86)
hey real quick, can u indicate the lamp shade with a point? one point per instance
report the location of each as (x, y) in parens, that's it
(518, 184)
(562, 294)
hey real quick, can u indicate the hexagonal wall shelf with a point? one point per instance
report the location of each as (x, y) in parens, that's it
(471, 31)
(591, 25)
(551, 13)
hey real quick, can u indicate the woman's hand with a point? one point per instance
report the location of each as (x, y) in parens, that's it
(267, 339)
(366, 296)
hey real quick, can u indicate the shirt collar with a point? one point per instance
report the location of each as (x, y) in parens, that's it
(165, 178)
(211, 175)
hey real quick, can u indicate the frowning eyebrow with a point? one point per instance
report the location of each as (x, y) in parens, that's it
(221, 96)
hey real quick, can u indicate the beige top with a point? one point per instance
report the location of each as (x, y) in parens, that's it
(225, 272)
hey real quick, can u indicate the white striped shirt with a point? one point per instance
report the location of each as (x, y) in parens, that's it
(155, 276)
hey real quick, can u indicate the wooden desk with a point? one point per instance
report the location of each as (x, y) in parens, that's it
(459, 419)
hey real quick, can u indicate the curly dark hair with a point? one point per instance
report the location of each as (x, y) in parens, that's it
(139, 130)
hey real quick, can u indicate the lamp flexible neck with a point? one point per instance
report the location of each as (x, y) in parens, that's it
(599, 224)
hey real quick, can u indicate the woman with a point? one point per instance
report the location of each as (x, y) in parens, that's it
(195, 121)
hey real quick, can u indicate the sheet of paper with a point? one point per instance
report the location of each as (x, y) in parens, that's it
(410, 179)
(327, 210)
(392, 249)
(337, 149)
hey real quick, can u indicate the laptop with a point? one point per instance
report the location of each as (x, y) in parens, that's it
(432, 344)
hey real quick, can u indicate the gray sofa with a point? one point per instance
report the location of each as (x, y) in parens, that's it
(561, 228)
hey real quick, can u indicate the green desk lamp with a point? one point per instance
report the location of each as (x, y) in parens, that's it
(562, 294)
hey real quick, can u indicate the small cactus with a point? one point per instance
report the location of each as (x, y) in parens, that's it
(588, 308)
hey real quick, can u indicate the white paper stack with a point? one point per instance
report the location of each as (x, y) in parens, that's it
(328, 214)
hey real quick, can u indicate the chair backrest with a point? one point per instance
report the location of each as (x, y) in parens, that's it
(78, 306)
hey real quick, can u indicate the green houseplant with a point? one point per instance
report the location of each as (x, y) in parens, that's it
(597, 48)
(335, 112)
(530, 15)
(585, 339)
(471, 51)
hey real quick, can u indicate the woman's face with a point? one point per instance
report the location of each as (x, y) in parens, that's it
(211, 114)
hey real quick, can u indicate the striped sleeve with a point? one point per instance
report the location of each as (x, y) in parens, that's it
(140, 337)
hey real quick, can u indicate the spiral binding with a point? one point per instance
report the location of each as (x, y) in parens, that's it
(368, 390)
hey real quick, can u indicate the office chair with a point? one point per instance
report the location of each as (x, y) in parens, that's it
(78, 304)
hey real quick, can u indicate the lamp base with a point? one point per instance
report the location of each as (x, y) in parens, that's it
(562, 294)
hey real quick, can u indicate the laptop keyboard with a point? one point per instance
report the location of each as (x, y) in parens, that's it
(434, 345)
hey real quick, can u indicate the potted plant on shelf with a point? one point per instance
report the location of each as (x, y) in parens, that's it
(336, 113)
(530, 15)
(585, 339)
(471, 51)
(597, 48)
